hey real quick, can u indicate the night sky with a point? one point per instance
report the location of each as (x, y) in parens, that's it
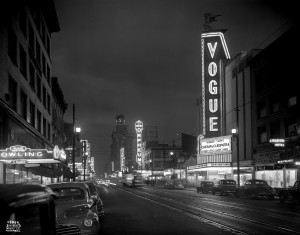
(143, 59)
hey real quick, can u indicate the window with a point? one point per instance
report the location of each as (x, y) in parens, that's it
(31, 37)
(48, 45)
(291, 126)
(23, 62)
(38, 52)
(23, 105)
(23, 22)
(262, 134)
(44, 97)
(12, 46)
(38, 87)
(38, 119)
(43, 64)
(48, 136)
(261, 110)
(275, 130)
(48, 103)
(292, 101)
(32, 114)
(12, 86)
(31, 76)
(44, 126)
(275, 105)
(48, 75)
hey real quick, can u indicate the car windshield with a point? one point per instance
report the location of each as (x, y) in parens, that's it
(69, 193)
(229, 182)
(260, 183)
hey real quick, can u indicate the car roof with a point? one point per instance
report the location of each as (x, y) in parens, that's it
(81, 185)
(21, 194)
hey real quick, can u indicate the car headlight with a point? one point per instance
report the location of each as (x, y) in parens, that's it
(88, 222)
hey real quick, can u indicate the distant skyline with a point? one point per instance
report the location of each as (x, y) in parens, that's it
(143, 59)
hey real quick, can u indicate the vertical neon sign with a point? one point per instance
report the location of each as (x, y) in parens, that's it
(139, 130)
(213, 49)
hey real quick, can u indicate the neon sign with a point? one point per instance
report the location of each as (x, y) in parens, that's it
(214, 49)
(139, 130)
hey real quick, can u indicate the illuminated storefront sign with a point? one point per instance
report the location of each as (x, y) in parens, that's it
(215, 145)
(139, 130)
(214, 49)
(277, 142)
(22, 155)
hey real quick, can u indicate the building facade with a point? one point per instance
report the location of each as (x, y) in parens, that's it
(26, 98)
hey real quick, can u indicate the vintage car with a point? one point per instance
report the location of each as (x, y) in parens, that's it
(205, 187)
(291, 194)
(224, 187)
(95, 192)
(75, 204)
(174, 184)
(30, 209)
(255, 189)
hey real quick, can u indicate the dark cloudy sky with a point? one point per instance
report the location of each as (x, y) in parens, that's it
(141, 58)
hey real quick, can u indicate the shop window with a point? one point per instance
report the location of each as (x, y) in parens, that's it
(31, 76)
(32, 114)
(38, 120)
(23, 62)
(12, 86)
(262, 134)
(23, 105)
(12, 46)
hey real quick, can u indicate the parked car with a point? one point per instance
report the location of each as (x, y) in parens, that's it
(205, 187)
(95, 192)
(75, 204)
(173, 184)
(291, 194)
(30, 209)
(255, 189)
(224, 187)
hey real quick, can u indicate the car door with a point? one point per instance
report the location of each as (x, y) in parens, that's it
(248, 188)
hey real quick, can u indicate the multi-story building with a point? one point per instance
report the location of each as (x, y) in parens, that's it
(261, 103)
(26, 99)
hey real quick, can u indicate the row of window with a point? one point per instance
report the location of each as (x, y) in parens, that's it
(274, 106)
(35, 81)
(34, 116)
(290, 129)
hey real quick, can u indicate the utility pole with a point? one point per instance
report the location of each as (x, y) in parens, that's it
(73, 149)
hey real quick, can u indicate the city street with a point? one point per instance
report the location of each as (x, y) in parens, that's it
(154, 210)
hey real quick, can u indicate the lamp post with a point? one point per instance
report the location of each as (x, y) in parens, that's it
(236, 135)
(173, 159)
(75, 130)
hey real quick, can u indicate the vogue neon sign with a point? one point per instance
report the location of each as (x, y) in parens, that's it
(214, 49)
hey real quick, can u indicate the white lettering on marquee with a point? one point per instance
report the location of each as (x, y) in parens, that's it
(212, 49)
(212, 69)
(212, 123)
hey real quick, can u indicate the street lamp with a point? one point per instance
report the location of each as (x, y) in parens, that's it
(236, 135)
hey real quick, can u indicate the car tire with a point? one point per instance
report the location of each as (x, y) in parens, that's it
(237, 194)
(213, 192)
